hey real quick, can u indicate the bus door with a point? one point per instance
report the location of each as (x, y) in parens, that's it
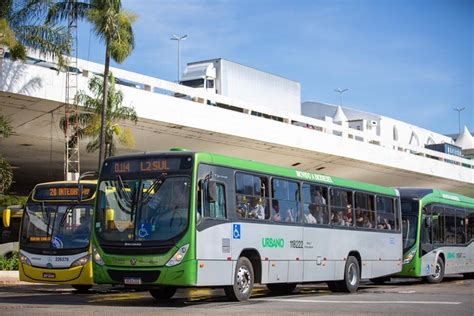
(428, 256)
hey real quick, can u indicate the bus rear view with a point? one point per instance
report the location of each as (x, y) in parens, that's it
(55, 234)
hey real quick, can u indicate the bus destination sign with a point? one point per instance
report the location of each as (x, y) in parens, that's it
(62, 192)
(147, 165)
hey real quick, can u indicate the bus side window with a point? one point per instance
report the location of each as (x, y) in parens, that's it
(470, 225)
(216, 208)
(460, 227)
(252, 196)
(450, 233)
(437, 223)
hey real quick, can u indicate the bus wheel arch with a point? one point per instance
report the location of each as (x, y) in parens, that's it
(352, 275)
(356, 254)
(243, 281)
(254, 257)
(440, 267)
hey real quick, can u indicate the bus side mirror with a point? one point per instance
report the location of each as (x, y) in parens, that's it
(109, 214)
(212, 192)
(6, 217)
(109, 217)
(80, 187)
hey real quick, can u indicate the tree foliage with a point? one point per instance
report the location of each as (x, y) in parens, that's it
(89, 120)
(22, 25)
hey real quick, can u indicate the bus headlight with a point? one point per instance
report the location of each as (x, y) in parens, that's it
(97, 258)
(24, 260)
(409, 256)
(80, 262)
(178, 256)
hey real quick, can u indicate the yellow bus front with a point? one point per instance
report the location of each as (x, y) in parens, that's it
(55, 234)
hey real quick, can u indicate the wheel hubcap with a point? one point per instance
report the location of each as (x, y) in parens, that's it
(437, 273)
(243, 279)
(353, 274)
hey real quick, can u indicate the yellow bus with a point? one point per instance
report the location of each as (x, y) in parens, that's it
(55, 234)
(10, 230)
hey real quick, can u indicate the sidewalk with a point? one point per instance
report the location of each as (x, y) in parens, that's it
(9, 277)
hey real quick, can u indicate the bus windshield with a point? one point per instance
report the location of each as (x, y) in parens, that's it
(143, 209)
(49, 225)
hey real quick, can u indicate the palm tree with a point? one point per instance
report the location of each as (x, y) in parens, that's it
(112, 25)
(22, 26)
(89, 120)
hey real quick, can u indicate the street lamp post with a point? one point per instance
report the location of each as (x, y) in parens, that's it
(177, 38)
(459, 110)
(341, 91)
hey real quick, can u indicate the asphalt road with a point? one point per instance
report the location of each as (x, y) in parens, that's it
(455, 296)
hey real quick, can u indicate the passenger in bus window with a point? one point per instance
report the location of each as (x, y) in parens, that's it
(348, 215)
(319, 199)
(359, 219)
(290, 216)
(276, 211)
(311, 216)
(337, 218)
(367, 223)
(257, 210)
(242, 207)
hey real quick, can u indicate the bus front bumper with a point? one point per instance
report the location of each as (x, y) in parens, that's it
(81, 275)
(183, 274)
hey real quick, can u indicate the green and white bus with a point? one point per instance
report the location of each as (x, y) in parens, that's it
(188, 219)
(438, 234)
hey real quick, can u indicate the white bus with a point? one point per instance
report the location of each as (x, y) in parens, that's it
(183, 219)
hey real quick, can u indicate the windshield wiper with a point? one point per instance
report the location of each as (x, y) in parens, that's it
(155, 186)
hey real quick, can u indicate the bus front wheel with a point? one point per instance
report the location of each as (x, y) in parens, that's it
(351, 280)
(82, 288)
(438, 275)
(243, 281)
(163, 293)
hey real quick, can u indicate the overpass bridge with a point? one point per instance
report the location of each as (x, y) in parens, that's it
(32, 97)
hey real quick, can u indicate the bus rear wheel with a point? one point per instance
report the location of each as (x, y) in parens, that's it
(243, 281)
(82, 288)
(283, 288)
(163, 293)
(438, 275)
(350, 284)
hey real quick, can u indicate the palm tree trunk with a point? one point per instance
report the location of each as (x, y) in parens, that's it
(102, 149)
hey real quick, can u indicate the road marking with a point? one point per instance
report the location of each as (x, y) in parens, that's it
(356, 302)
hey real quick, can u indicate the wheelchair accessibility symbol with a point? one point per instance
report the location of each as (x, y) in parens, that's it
(236, 231)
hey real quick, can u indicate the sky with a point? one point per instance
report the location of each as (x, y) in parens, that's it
(409, 60)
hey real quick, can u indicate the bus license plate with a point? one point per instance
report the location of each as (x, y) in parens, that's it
(132, 281)
(49, 275)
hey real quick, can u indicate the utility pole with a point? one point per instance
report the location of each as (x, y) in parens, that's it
(177, 38)
(459, 110)
(340, 91)
(72, 167)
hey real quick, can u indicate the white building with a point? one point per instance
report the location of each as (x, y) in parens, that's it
(388, 130)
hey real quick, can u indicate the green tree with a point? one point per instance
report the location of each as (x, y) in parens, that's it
(90, 120)
(113, 26)
(22, 25)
